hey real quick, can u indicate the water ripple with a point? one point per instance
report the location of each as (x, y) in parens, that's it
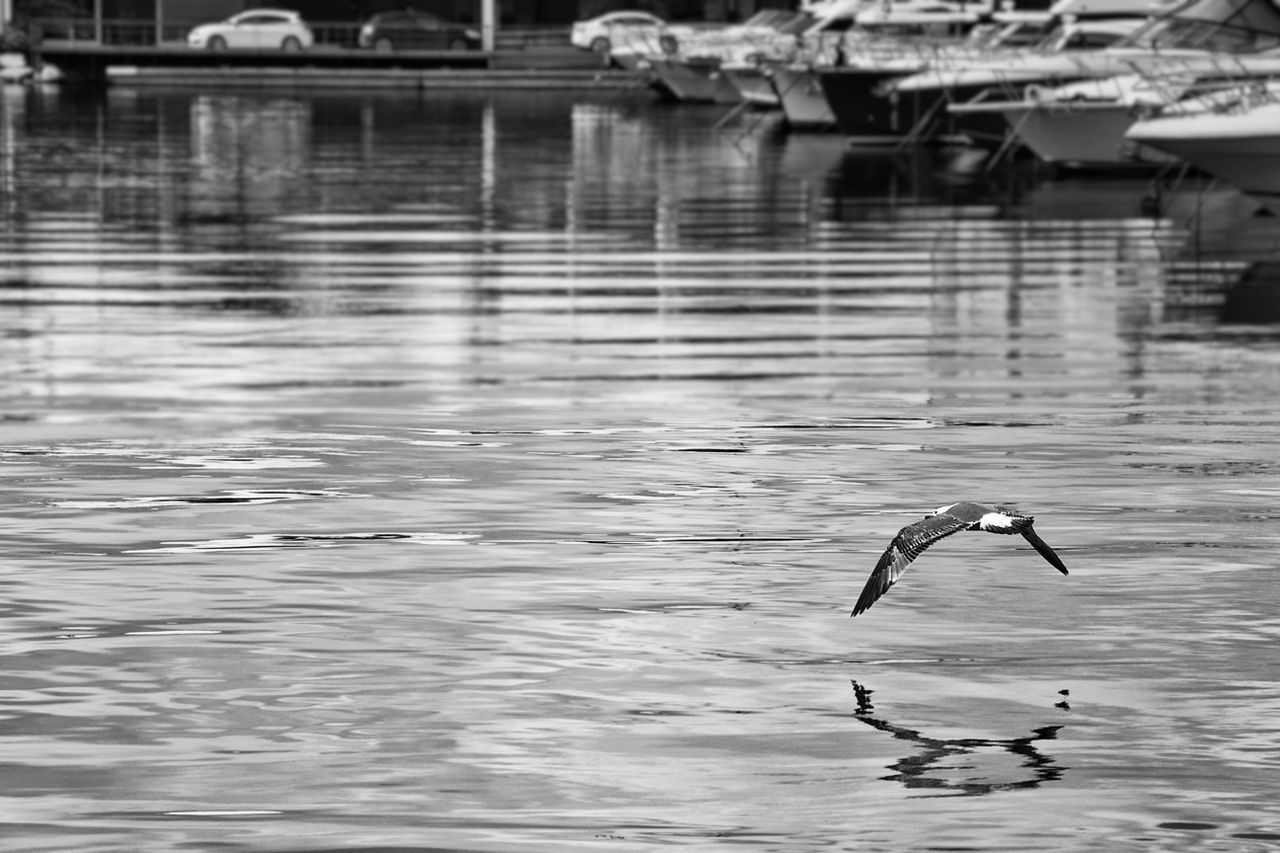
(649, 396)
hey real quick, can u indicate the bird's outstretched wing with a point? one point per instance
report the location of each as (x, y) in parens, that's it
(1043, 548)
(910, 543)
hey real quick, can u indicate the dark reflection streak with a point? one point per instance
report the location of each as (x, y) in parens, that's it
(299, 307)
(914, 770)
(1254, 299)
(729, 339)
(721, 376)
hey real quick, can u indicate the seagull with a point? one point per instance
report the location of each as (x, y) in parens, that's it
(913, 539)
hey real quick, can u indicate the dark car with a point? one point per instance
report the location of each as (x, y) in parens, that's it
(414, 30)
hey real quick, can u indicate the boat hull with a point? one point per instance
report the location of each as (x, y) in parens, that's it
(697, 81)
(861, 113)
(868, 115)
(752, 85)
(1078, 136)
(799, 92)
(1240, 149)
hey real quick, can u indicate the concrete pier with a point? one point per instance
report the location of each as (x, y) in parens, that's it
(540, 67)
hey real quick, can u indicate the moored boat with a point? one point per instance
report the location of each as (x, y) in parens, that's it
(928, 101)
(770, 34)
(800, 95)
(1238, 143)
(1192, 39)
(750, 79)
(1081, 126)
(885, 41)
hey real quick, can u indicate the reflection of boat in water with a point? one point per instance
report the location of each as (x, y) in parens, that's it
(966, 766)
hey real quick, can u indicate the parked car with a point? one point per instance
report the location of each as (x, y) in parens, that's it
(260, 29)
(600, 33)
(413, 30)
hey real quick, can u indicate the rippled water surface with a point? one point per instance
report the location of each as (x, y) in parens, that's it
(496, 473)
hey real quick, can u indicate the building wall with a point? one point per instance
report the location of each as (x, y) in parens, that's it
(185, 13)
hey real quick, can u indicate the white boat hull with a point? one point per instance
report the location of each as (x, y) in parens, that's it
(1085, 136)
(696, 81)
(752, 84)
(801, 97)
(1242, 149)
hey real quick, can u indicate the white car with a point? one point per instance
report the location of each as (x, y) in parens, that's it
(599, 34)
(261, 29)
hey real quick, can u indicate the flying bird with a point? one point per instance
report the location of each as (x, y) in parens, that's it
(913, 539)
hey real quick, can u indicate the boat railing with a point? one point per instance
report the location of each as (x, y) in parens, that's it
(1175, 32)
(859, 49)
(1216, 83)
(954, 55)
(1009, 85)
(752, 44)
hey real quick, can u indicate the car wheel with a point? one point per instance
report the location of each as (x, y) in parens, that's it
(457, 44)
(383, 45)
(217, 43)
(291, 44)
(600, 44)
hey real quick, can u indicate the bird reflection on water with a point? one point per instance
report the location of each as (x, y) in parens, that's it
(931, 770)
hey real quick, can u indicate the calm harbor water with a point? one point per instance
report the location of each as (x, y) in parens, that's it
(496, 473)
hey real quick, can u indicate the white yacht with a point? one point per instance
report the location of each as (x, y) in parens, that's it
(898, 38)
(1238, 141)
(1189, 51)
(903, 101)
(1081, 125)
(691, 63)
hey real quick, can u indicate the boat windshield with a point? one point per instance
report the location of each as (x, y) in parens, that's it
(1046, 36)
(1226, 25)
(1086, 35)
